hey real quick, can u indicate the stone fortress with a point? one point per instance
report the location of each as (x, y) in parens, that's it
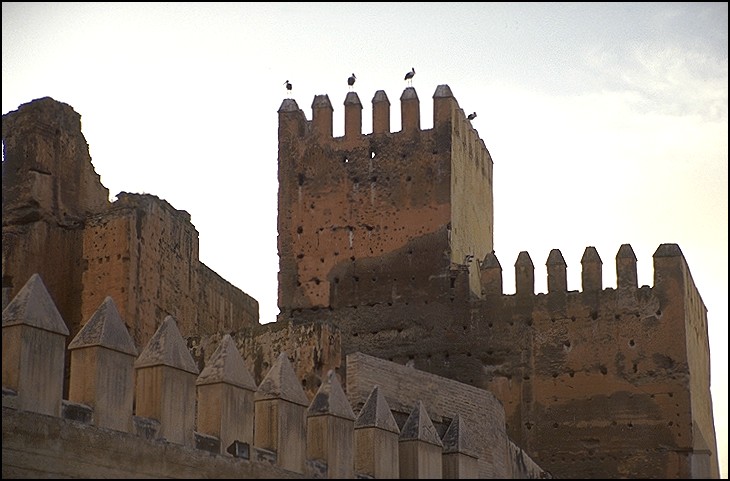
(396, 352)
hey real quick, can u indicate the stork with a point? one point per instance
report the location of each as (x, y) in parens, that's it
(472, 116)
(409, 76)
(288, 86)
(351, 81)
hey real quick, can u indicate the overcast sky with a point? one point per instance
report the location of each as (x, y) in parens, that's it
(607, 122)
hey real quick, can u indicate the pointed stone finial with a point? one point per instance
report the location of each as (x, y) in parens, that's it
(668, 250)
(458, 439)
(524, 274)
(33, 306)
(419, 427)
(376, 413)
(443, 90)
(105, 328)
(289, 105)
(592, 273)
(101, 347)
(626, 268)
(460, 457)
(352, 99)
(34, 348)
(490, 272)
(322, 116)
(226, 365)
(381, 113)
(281, 383)
(330, 399)
(556, 270)
(353, 116)
(410, 111)
(167, 348)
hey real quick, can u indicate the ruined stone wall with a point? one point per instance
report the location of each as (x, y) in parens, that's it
(144, 253)
(48, 187)
(47, 166)
(370, 218)
(58, 221)
(316, 346)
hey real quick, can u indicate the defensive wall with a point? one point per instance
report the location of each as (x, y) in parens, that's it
(388, 236)
(597, 383)
(154, 414)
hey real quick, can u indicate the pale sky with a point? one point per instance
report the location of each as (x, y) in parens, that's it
(607, 122)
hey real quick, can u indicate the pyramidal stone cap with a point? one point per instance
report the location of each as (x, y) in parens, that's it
(168, 348)
(376, 413)
(281, 383)
(33, 306)
(330, 399)
(457, 438)
(105, 328)
(226, 366)
(419, 427)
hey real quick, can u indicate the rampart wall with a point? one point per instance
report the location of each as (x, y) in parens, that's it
(155, 414)
(591, 381)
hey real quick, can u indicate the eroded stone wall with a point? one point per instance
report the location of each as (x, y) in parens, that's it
(594, 384)
(58, 222)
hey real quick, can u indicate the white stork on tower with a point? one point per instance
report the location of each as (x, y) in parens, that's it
(288, 87)
(409, 76)
(351, 80)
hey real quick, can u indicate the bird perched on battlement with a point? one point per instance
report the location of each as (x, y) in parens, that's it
(351, 80)
(409, 76)
(288, 86)
(472, 116)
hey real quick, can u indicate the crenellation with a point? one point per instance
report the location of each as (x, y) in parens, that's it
(353, 116)
(592, 270)
(381, 113)
(410, 112)
(626, 277)
(524, 274)
(322, 116)
(557, 280)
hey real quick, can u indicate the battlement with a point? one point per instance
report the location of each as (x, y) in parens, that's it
(448, 117)
(668, 258)
(160, 395)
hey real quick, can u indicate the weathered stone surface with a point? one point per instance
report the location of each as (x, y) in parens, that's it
(105, 329)
(331, 400)
(376, 413)
(167, 348)
(281, 383)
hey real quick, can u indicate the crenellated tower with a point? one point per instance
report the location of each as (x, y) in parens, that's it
(389, 236)
(380, 217)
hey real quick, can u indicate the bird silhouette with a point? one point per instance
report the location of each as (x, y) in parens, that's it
(288, 86)
(472, 116)
(351, 80)
(409, 76)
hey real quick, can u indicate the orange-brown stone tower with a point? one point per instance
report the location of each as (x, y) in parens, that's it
(381, 217)
(389, 236)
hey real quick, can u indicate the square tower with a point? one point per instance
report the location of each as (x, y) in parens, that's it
(385, 217)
